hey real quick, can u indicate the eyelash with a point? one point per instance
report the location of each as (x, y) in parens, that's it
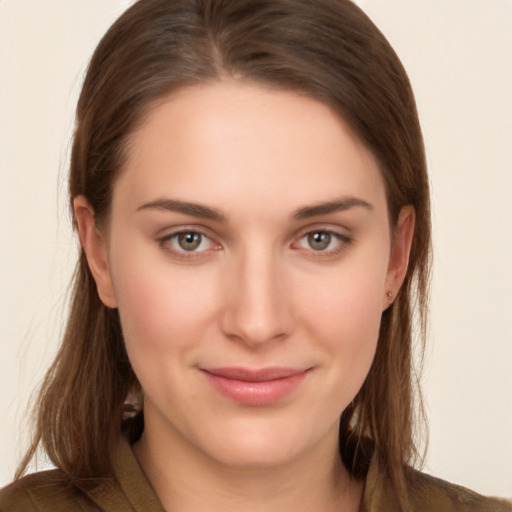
(342, 242)
(167, 242)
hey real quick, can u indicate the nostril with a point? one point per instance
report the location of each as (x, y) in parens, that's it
(255, 323)
(257, 306)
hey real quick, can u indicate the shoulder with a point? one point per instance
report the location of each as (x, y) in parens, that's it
(44, 491)
(53, 491)
(427, 493)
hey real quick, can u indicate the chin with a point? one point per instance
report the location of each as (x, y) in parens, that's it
(258, 445)
(254, 456)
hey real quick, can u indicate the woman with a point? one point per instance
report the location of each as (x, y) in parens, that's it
(252, 204)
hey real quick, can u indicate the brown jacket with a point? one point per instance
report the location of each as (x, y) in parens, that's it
(51, 491)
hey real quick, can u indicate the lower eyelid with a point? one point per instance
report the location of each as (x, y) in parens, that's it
(343, 242)
(170, 239)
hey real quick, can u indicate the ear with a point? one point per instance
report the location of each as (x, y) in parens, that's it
(400, 251)
(94, 246)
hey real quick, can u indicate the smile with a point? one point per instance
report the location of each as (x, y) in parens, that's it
(255, 387)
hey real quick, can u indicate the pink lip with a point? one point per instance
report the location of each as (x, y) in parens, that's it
(255, 387)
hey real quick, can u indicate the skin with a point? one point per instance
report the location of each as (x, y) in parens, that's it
(260, 290)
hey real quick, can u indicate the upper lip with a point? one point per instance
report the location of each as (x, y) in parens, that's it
(255, 375)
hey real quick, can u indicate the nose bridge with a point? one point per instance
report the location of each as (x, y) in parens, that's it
(258, 309)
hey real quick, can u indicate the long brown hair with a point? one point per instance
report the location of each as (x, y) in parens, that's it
(326, 49)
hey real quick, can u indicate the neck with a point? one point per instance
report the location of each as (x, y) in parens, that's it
(187, 480)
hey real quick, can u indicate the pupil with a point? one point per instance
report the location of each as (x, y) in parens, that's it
(319, 241)
(189, 241)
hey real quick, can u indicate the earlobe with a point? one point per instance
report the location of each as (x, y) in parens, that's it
(400, 252)
(93, 244)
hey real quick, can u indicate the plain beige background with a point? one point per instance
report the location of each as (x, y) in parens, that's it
(459, 57)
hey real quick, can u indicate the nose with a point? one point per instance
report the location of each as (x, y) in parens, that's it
(257, 301)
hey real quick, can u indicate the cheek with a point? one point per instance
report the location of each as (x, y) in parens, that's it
(344, 315)
(350, 332)
(162, 309)
(349, 298)
(350, 321)
(165, 318)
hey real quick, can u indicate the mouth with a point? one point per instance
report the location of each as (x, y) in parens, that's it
(255, 387)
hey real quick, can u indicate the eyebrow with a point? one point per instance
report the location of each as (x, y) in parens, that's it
(193, 209)
(338, 205)
(205, 212)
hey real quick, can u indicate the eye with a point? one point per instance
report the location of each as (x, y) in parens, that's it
(319, 240)
(323, 241)
(189, 242)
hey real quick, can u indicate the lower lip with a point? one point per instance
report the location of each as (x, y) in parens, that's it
(256, 393)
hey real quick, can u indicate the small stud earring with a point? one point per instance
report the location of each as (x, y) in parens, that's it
(389, 295)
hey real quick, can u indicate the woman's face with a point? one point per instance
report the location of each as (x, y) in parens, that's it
(249, 253)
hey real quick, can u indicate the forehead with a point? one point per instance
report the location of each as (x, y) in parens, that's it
(226, 143)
